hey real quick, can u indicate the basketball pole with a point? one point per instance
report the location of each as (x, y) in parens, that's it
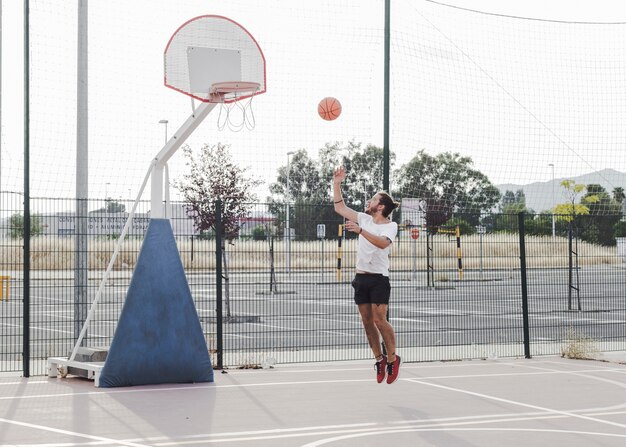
(156, 173)
(157, 208)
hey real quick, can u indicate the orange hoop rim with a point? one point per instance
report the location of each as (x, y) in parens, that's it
(224, 88)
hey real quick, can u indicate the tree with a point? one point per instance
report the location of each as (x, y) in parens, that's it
(364, 169)
(310, 185)
(308, 197)
(514, 203)
(305, 183)
(449, 184)
(16, 226)
(569, 210)
(619, 195)
(511, 204)
(111, 206)
(604, 213)
(508, 198)
(212, 176)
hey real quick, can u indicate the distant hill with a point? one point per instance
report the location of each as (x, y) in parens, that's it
(539, 194)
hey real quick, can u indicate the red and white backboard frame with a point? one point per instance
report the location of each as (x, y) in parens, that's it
(206, 44)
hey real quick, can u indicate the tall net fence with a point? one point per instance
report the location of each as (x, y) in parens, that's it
(490, 116)
(521, 101)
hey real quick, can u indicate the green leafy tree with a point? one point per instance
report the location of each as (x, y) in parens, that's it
(450, 185)
(511, 204)
(212, 175)
(310, 184)
(305, 181)
(604, 213)
(111, 206)
(619, 229)
(16, 226)
(538, 224)
(569, 210)
(619, 195)
(465, 227)
(308, 196)
(364, 169)
(508, 198)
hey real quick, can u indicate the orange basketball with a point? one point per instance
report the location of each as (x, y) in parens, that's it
(329, 108)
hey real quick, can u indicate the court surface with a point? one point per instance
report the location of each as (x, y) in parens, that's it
(508, 402)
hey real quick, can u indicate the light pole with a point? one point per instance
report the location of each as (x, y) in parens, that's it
(553, 204)
(288, 229)
(364, 194)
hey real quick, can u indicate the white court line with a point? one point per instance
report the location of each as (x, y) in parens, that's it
(521, 404)
(445, 429)
(353, 430)
(38, 328)
(349, 334)
(412, 320)
(196, 387)
(378, 429)
(228, 334)
(585, 375)
(279, 327)
(356, 324)
(72, 433)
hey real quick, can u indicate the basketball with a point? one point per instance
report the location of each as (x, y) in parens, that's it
(329, 108)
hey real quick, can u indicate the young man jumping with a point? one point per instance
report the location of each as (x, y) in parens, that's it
(371, 282)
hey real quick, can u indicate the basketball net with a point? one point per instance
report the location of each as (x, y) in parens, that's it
(236, 115)
(235, 99)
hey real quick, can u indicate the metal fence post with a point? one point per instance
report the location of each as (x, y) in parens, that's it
(26, 221)
(522, 255)
(218, 283)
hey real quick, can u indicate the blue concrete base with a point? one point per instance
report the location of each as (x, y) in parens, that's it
(158, 338)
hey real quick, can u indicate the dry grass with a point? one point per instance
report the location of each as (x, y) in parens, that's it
(500, 251)
(577, 346)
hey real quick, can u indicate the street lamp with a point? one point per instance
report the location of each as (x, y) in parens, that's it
(553, 202)
(288, 229)
(106, 197)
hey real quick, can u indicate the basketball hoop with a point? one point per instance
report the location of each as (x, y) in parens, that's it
(232, 91)
(235, 111)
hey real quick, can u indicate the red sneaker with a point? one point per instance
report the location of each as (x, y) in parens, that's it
(393, 369)
(381, 368)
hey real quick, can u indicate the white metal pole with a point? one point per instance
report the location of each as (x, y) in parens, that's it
(166, 173)
(553, 202)
(288, 229)
(171, 146)
(82, 169)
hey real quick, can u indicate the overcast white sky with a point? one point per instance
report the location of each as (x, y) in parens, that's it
(127, 98)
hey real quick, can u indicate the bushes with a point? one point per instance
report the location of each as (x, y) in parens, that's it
(619, 229)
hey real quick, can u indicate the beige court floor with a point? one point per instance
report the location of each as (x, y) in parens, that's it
(508, 402)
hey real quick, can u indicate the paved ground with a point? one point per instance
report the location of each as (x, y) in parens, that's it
(541, 401)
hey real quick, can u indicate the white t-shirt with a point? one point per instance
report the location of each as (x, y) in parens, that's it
(370, 258)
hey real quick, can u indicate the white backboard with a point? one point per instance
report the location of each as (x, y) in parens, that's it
(210, 65)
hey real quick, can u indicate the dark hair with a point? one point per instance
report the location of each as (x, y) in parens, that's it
(388, 203)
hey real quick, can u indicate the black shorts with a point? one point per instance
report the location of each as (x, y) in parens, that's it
(371, 288)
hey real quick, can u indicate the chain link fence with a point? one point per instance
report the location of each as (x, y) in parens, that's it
(482, 286)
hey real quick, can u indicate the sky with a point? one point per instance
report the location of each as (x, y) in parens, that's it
(308, 57)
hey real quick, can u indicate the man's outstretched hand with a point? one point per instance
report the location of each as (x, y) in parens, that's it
(339, 174)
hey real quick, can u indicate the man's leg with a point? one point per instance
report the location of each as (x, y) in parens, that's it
(385, 329)
(371, 331)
